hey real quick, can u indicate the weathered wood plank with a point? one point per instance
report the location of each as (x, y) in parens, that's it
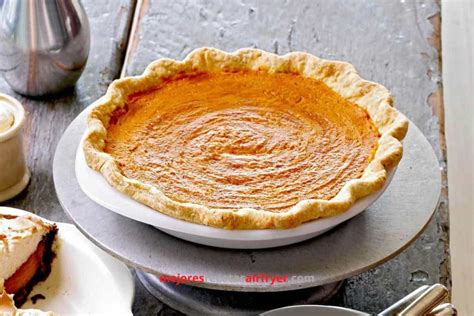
(388, 41)
(48, 117)
(458, 75)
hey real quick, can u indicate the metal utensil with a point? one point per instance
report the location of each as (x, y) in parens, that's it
(432, 297)
(404, 302)
(446, 309)
(44, 44)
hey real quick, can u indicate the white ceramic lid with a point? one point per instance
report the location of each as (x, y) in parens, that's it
(12, 117)
(6, 117)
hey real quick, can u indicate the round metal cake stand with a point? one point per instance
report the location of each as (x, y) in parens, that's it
(381, 232)
(200, 301)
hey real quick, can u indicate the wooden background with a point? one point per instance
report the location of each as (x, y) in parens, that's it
(458, 78)
(396, 43)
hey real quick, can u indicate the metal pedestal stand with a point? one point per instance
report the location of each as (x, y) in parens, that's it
(381, 232)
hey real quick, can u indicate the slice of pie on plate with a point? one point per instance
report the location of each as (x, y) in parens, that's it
(245, 140)
(26, 253)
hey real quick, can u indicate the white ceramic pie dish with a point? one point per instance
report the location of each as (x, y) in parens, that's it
(84, 280)
(96, 188)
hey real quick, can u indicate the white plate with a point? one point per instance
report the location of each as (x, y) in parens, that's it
(84, 279)
(313, 310)
(96, 188)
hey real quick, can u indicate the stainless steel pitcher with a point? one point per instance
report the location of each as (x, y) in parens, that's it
(44, 44)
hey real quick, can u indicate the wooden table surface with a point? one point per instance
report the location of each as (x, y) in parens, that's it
(395, 43)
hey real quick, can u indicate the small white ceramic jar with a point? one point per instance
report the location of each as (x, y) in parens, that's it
(14, 174)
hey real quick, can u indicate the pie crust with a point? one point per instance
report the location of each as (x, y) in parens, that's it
(340, 77)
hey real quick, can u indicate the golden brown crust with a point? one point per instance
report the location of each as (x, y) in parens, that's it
(339, 76)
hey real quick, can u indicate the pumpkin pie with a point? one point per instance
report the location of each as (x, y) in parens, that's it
(245, 140)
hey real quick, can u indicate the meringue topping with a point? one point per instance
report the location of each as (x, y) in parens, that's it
(19, 238)
(8, 308)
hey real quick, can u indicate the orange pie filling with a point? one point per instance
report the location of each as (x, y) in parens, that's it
(23, 276)
(35, 269)
(242, 139)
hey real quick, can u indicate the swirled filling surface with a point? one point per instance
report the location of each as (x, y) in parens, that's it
(245, 139)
